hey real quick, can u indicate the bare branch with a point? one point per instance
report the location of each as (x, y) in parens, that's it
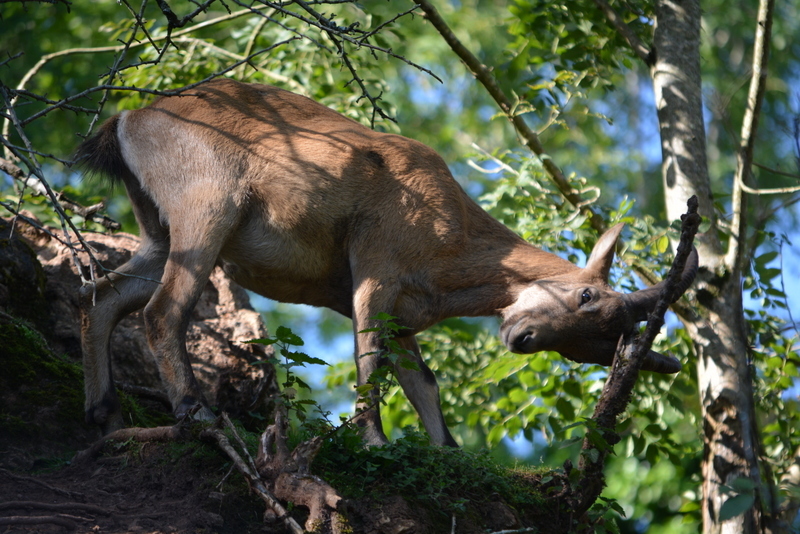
(36, 170)
(638, 47)
(628, 360)
(773, 191)
(736, 256)
(173, 20)
(776, 171)
(216, 435)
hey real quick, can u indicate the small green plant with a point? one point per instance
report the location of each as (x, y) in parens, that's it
(283, 341)
(391, 352)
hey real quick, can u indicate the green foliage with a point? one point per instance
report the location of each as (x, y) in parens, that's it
(443, 479)
(573, 39)
(557, 59)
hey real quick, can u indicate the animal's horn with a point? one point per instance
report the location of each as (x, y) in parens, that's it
(643, 301)
(661, 363)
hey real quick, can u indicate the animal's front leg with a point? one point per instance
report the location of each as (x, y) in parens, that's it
(368, 416)
(371, 298)
(421, 388)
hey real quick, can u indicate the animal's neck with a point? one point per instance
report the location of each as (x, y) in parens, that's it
(498, 266)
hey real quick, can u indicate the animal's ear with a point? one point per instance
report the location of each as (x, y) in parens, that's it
(599, 264)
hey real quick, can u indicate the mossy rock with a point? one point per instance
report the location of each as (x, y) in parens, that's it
(22, 280)
(41, 397)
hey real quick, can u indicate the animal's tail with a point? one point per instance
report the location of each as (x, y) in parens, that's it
(102, 154)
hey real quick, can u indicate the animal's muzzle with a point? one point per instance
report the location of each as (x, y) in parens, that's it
(519, 337)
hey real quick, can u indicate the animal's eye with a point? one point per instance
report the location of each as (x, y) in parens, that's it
(586, 296)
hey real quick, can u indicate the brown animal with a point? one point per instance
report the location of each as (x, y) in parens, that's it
(301, 204)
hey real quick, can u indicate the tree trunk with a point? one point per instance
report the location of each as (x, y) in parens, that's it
(716, 326)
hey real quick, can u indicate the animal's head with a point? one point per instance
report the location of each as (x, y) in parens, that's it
(579, 316)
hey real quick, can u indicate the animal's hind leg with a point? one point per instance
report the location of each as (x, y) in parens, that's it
(195, 245)
(102, 307)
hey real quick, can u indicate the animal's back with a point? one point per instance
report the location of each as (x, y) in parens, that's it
(310, 187)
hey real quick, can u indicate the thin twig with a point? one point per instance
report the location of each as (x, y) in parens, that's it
(736, 256)
(215, 434)
(626, 32)
(776, 171)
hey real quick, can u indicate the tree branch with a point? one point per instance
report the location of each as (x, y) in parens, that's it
(617, 391)
(638, 47)
(737, 255)
(248, 470)
(485, 77)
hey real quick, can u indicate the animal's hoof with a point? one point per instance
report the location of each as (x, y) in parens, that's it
(106, 414)
(195, 410)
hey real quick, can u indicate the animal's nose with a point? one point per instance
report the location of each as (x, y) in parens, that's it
(522, 342)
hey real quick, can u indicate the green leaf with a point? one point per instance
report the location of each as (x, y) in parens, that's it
(573, 387)
(496, 434)
(302, 384)
(662, 244)
(736, 505)
(411, 365)
(364, 389)
(302, 358)
(286, 335)
(689, 506)
(743, 484)
(766, 257)
(652, 453)
(565, 408)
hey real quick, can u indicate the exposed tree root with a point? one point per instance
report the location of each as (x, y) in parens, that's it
(38, 520)
(20, 478)
(159, 433)
(292, 481)
(247, 468)
(55, 507)
(277, 475)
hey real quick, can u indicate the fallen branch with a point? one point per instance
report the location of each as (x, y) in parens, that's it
(248, 470)
(159, 433)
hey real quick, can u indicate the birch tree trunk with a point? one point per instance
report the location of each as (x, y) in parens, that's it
(716, 325)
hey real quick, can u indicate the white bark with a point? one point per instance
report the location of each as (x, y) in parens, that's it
(717, 325)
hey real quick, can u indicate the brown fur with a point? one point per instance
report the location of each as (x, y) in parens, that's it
(301, 204)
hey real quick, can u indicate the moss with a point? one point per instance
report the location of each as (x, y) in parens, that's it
(442, 481)
(136, 414)
(36, 384)
(23, 275)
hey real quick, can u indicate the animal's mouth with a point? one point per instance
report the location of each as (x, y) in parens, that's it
(519, 337)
